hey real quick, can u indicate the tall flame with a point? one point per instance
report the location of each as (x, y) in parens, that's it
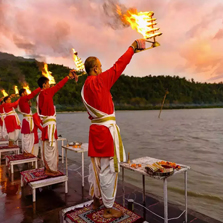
(16, 89)
(77, 61)
(26, 86)
(47, 74)
(142, 22)
(4, 93)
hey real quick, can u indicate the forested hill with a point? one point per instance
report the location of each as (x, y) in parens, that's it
(128, 92)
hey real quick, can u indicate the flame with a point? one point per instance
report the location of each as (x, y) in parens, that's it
(47, 74)
(26, 86)
(142, 22)
(4, 93)
(77, 61)
(16, 89)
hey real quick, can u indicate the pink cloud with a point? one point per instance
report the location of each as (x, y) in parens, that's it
(191, 43)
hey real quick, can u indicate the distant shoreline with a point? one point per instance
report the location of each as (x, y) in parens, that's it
(143, 109)
(70, 109)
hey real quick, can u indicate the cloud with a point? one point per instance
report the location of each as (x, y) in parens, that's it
(191, 44)
(219, 34)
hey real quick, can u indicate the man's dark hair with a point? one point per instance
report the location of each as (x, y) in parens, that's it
(42, 80)
(89, 63)
(22, 90)
(5, 98)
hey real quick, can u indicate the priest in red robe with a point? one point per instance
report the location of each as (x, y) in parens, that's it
(105, 145)
(12, 121)
(47, 112)
(3, 131)
(27, 123)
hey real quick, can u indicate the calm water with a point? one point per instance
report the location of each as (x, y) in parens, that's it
(191, 137)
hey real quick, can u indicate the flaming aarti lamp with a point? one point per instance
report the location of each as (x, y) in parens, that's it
(16, 90)
(4, 93)
(151, 32)
(142, 22)
(26, 87)
(48, 74)
(78, 63)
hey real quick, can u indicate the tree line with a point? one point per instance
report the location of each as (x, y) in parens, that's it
(129, 92)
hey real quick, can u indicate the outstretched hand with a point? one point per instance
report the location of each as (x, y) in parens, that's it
(12, 95)
(73, 75)
(139, 44)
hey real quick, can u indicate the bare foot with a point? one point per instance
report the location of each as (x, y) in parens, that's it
(112, 213)
(52, 174)
(96, 203)
(28, 154)
(11, 144)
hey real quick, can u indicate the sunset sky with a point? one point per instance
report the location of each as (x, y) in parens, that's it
(191, 44)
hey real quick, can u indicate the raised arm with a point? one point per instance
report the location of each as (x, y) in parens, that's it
(33, 94)
(111, 76)
(59, 85)
(13, 104)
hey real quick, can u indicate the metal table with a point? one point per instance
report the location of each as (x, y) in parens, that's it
(82, 150)
(62, 149)
(141, 170)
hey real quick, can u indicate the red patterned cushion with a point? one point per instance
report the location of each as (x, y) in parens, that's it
(87, 214)
(18, 157)
(37, 174)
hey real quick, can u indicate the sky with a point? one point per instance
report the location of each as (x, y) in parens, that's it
(191, 45)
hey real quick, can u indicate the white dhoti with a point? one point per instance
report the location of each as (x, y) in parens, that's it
(35, 150)
(1, 136)
(103, 172)
(103, 181)
(4, 133)
(27, 142)
(49, 147)
(50, 156)
(14, 136)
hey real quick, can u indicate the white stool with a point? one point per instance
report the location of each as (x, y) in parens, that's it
(8, 149)
(45, 182)
(11, 164)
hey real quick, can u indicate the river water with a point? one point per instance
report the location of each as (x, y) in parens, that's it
(192, 137)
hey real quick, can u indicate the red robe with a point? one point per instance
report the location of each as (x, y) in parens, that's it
(10, 121)
(25, 108)
(97, 94)
(37, 124)
(46, 106)
(1, 112)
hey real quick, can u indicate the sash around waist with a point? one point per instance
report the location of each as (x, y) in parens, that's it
(49, 120)
(103, 121)
(11, 113)
(27, 115)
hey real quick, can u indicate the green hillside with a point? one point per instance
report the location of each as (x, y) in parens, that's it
(128, 93)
